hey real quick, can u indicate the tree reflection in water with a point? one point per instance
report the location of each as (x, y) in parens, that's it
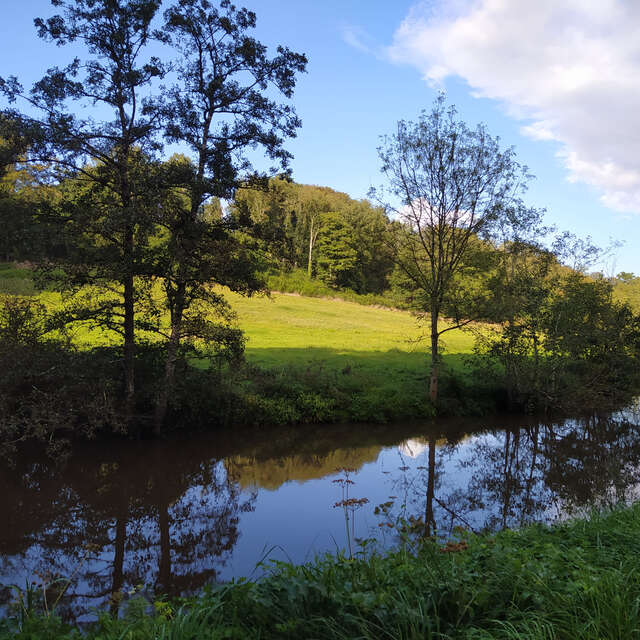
(539, 472)
(118, 524)
(168, 515)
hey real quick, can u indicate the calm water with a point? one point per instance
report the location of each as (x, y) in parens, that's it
(173, 516)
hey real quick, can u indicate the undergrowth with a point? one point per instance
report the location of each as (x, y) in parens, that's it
(297, 281)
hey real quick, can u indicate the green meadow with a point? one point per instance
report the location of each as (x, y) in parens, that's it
(358, 362)
(320, 359)
(286, 329)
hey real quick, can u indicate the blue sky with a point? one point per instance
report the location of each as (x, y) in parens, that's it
(559, 81)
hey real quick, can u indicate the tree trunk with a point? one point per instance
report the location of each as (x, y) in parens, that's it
(118, 558)
(429, 518)
(310, 259)
(170, 364)
(435, 356)
(129, 329)
(164, 564)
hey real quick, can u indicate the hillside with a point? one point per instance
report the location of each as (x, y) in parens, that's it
(292, 329)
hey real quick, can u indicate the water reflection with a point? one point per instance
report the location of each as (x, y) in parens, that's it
(110, 524)
(171, 517)
(541, 471)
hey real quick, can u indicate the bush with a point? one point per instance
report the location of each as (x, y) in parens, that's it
(297, 281)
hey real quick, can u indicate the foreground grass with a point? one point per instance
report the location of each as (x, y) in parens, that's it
(574, 581)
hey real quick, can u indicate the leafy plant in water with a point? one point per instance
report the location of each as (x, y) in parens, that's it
(348, 504)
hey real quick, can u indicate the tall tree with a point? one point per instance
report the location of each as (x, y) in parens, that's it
(97, 112)
(220, 108)
(449, 186)
(337, 256)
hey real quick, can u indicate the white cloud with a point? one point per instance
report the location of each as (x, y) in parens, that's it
(358, 38)
(570, 69)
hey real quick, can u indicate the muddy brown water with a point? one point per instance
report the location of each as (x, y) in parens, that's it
(170, 517)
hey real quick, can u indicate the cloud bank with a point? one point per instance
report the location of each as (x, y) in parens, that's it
(570, 70)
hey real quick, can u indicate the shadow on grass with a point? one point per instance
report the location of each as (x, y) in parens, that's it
(369, 385)
(345, 361)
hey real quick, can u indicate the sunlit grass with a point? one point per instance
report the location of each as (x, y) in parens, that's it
(329, 359)
(295, 329)
(285, 329)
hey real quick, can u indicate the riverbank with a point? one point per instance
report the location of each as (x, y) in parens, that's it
(306, 360)
(574, 580)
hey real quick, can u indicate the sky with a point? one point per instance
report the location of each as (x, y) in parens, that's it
(558, 81)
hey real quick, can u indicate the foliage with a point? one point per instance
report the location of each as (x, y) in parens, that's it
(123, 218)
(626, 288)
(337, 255)
(564, 341)
(310, 360)
(297, 281)
(296, 223)
(22, 193)
(221, 106)
(105, 149)
(570, 581)
(451, 188)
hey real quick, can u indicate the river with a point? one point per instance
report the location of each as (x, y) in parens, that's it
(118, 518)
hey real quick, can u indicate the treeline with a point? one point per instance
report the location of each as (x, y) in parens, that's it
(339, 240)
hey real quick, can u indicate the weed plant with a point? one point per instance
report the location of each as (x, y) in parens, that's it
(578, 580)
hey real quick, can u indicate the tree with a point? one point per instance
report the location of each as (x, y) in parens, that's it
(451, 186)
(21, 193)
(220, 108)
(368, 229)
(561, 338)
(522, 286)
(337, 257)
(121, 121)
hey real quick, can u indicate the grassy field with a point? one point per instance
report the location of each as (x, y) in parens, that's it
(291, 329)
(372, 358)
